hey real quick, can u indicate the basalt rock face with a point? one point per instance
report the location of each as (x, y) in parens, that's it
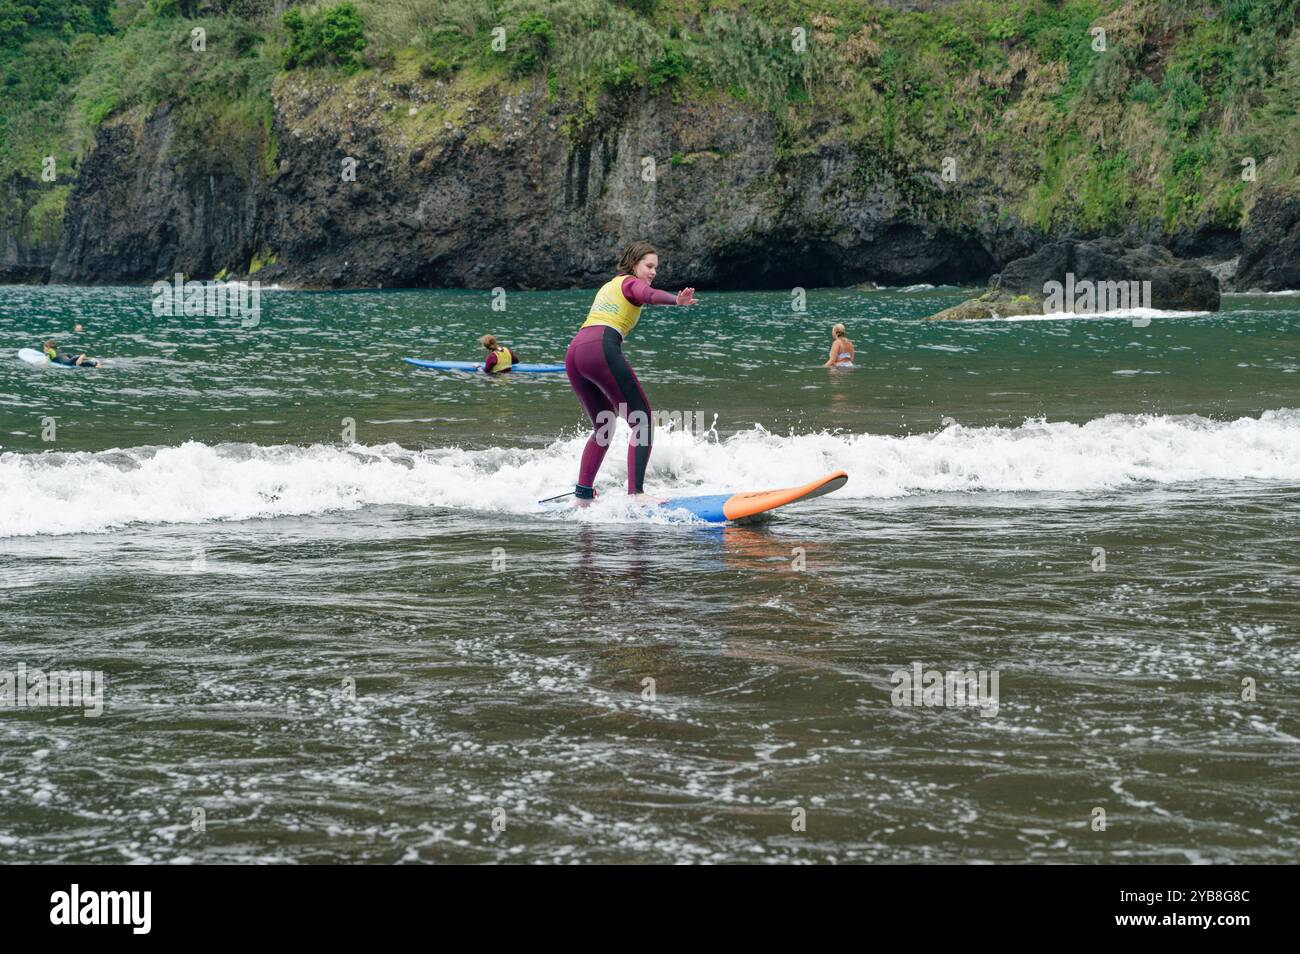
(381, 183)
(514, 199)
(1270, 260)
(142, 209)
(26, 252)
(507, 194)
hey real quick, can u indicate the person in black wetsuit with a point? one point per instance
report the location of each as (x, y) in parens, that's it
(71, 360)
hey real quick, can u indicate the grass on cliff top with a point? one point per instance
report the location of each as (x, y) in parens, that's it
(217, 84)
(1021, 95)
(61, 86)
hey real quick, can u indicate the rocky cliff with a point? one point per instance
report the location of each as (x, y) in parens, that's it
(413, 171)
(508, 194)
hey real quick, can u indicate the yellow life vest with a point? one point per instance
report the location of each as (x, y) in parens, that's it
(503, 360)
(612, 308)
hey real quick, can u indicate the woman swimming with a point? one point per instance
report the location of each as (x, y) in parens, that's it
(841, 350)
(601, 376)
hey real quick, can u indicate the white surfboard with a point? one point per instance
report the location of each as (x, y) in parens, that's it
(35, 357)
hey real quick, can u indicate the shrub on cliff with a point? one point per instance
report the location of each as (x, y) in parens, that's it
(22, 19)
(534, 39)
(329, 36)
(669, 68)
(165, 9)
(435, 67)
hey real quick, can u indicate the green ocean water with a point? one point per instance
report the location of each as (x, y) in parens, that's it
(332, 616)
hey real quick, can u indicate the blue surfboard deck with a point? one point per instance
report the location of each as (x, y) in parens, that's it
(707, 508)
(471, 366)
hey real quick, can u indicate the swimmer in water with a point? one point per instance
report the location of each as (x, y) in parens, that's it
(601, 377)
(841, 350)
(499, 358)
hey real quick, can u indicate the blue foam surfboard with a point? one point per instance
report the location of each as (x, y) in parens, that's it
(471, 366)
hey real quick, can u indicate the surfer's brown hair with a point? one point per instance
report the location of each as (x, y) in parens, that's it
(489, 342)
(633, 254)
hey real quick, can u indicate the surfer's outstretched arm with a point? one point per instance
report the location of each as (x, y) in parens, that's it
(641, 293)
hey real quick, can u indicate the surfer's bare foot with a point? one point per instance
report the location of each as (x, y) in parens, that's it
(649, 500)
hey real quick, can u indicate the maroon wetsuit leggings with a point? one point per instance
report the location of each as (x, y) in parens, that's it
(607, 387)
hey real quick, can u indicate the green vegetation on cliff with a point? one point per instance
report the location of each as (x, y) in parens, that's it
(68, 68)
(1090, 115)
(45, 48)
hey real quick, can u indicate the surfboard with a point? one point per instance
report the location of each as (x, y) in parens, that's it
(747, 507)
(36, 357)
(753, 505)
(471, 366)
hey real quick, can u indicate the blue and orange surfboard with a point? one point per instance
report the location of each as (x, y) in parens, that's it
(755, 505)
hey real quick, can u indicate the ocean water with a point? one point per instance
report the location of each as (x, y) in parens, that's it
(335, 625)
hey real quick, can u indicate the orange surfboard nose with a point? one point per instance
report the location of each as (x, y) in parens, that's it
(739, 506)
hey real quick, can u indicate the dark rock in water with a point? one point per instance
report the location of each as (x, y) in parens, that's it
(1175, 285)
(1270, 260)
(992, 304)
(1092, 277)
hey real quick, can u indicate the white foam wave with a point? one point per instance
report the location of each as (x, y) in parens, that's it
(1127, 313)
(54, 493)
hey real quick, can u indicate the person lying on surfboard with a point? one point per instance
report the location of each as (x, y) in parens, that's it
(601, 377)
(71, 360)
(499, 358)
(841, 350)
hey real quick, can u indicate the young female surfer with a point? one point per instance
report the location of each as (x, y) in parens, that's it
(841, 350)
(499, 357)
(601, 376)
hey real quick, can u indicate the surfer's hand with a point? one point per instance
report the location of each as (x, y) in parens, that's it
(686, 297)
